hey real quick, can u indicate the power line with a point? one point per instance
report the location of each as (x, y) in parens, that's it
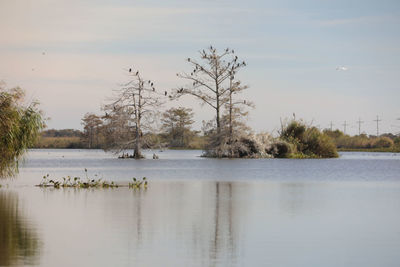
(359, 125)
(377, 125)
(345, 124)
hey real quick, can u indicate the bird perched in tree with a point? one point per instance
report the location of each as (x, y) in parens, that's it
(151, 84)
(130, 70)
(137, 73)
(165, 93)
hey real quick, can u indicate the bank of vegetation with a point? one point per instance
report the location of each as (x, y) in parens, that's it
(363, 142)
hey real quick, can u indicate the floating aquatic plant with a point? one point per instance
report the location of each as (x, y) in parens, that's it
(137, 184)
(76, 182)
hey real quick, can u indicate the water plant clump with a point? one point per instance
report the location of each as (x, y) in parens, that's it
(76, 182)
(137, 184)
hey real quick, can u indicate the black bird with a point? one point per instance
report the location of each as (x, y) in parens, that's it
(130, 70)
(137, 72)
(165, 93)
(151, 84)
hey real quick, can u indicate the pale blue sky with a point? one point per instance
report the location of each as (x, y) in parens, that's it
(292, 48)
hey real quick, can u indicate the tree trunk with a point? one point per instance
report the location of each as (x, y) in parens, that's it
(137, 149)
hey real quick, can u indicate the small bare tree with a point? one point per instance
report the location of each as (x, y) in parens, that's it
(132, 109)
(209, 80)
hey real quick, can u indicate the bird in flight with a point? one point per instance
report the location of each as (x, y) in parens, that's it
(343, 68)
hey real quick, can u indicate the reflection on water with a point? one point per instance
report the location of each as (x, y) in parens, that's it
(211, 223)
(18, 242)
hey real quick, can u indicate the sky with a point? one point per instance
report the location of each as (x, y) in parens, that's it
(325, 61)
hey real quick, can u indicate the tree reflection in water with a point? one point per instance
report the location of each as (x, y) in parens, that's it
(19, 244)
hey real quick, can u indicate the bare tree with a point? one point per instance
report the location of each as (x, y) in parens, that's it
(209, 80)
(130, 113)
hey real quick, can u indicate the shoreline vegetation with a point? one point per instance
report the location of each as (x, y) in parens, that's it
(75, 139)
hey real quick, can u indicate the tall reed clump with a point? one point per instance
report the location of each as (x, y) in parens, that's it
(298, 140)
(19, 128)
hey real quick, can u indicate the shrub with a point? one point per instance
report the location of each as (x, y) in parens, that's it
(281, 149)
(382, 142)
(308, 141)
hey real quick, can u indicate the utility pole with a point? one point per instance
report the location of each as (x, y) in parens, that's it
(359, 125)
(345, 125)
(377, 125)
(331, 126)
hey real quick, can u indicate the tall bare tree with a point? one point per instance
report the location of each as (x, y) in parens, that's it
(130, 113)
(210, 78)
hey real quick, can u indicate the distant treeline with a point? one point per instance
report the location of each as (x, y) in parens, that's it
(71, 138)
(175, 133)
(61, 133)
(385, 142)
(64, 138)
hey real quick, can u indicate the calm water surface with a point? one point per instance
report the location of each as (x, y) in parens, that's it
(204, 212)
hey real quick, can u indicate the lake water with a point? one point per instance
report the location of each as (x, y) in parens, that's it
(204, 212)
